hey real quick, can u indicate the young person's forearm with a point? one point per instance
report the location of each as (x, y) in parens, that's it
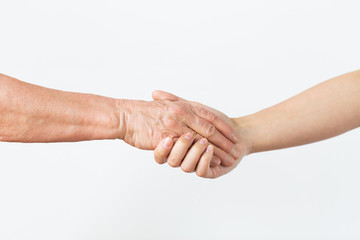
(321, 112)
(30, 113)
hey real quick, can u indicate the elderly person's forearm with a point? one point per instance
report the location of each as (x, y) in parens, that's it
(30, 113)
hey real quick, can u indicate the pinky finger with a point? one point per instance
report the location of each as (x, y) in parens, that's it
(203, 167)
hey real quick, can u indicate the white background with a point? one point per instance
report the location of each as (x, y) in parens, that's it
(236, 56)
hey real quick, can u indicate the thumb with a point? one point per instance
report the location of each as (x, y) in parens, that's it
(162, 95)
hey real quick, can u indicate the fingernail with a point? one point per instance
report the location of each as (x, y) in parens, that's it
(167, 142)
(209, 148)
(203, 141)
(188, 136)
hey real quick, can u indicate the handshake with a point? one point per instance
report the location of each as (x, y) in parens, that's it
(184, 134)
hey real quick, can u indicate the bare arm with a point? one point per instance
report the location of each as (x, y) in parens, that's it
(324, 111)
(321, 112)
(30, 113)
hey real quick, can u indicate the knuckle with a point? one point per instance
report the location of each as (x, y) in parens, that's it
(183, 140)
(186, 168)
(200, 173)
(220, 154)
(206, 114)
(230, 148)
(235, 152)
(226, 164)
(200, 147)
(158, 157)
(210, 116)
(237, 155)
(173, 163)
(177, 109)
(209, 130)
(159, 161)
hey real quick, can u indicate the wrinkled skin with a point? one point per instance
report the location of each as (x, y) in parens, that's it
(210, 171)
(147, 123)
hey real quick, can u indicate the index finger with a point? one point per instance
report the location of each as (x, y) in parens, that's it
(209, 131)
(225, 128)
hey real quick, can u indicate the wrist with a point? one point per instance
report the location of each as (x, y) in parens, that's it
(123, 113)
(243, 128)
(103, 121)
(129, 114)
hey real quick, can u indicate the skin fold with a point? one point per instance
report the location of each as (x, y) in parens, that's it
(323, 111)
(31, 113)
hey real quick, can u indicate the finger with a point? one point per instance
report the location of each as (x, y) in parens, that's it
(224, 127)
(215, 161)
(209, 131)
(162, 150)
(226, 159)
(203, 167)
(218, 139)
(162, 95)
(184, 130)
(193, 156)
(180, 149)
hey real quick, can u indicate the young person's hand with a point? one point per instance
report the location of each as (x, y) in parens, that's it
(198, 154)
(192, 156)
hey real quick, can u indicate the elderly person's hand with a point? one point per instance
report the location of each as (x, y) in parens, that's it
(198, 154)
(31, 113)
(147, 123)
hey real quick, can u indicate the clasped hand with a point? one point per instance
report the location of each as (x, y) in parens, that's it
(184, 134)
